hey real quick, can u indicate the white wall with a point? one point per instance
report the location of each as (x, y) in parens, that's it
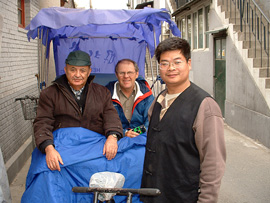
(17, 77)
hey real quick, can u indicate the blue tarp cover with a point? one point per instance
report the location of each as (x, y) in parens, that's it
(107, 35)
(81, 151)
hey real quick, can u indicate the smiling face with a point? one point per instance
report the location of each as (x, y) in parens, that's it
(126, 75)
(176, 77)
(77, 75)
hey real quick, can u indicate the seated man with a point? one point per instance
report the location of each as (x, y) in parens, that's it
(73, 100)
(131, 96)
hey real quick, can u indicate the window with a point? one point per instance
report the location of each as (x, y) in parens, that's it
(189, 29)
(200, 29)
(180, 3)
(21, 14)
(183, 27)
(195, 30)
(207, 26)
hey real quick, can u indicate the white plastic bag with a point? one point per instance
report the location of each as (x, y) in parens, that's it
(107, 180)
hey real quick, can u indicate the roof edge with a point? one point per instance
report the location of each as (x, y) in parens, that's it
(185, 7)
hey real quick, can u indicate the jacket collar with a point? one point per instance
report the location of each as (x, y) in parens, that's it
(115, 96)
(141, 83)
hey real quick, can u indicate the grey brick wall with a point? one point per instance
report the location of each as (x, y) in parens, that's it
(18, 66)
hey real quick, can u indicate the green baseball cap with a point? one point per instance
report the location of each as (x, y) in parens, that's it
(78, 58)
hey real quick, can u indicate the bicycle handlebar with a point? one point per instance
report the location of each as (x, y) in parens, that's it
(142, 191)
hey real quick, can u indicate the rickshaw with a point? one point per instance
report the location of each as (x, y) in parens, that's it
(107, 36)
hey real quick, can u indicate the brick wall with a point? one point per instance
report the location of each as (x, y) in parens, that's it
(18, 66)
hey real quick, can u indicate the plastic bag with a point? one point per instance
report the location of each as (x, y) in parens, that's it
(107, 180)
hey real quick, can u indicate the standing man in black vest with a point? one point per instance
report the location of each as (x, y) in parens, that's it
(185, 149)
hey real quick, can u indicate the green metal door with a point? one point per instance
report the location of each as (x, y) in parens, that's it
(220, 73)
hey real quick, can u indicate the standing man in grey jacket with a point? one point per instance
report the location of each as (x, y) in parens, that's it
(185, 149)
(73, 100)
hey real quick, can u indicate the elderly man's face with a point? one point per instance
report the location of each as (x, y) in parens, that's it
(126, 75)
(77, 75)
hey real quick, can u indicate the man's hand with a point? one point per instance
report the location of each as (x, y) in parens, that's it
(110, 147)
(131, 134)
(53, 158)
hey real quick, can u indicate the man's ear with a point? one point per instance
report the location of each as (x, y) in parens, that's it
(116, 76)
(65, 69)
(189, 64)
(137, 74)
(90, 71)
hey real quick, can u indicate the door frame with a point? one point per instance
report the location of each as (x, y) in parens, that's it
(222, 35)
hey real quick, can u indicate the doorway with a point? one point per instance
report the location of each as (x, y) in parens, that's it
(220, 72)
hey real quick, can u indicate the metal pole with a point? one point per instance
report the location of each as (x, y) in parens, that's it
(152, 71)
(91, 4)
(241, 16)
(249, 24)
(41, 59)
(48, 59)
(268, 50)
(255, 26)
(45, 60)
(155, 43)
(39, 47)
(129, 198)
(261, 40)
(234, 12)
(245, 19)
(95, 197)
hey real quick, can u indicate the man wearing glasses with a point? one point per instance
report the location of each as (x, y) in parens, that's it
(131, 96)
(185, 150)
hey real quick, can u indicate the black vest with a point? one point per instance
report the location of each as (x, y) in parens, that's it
(172, 162)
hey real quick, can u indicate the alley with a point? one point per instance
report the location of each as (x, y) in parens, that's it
(247, 175)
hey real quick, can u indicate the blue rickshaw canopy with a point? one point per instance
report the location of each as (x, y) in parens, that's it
(107, 35)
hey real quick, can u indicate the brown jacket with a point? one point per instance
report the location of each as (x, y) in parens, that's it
(58, 109)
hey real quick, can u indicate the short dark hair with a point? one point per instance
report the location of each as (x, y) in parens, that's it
(171, 44)
(134, 63)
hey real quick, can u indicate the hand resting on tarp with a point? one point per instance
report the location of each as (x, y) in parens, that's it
(81, 151)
